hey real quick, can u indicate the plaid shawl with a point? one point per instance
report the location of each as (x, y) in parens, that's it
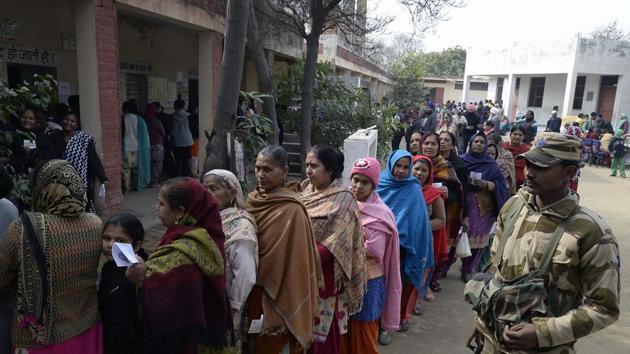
(334, 214)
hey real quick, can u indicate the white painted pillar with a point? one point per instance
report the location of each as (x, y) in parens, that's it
(508, 96)
(569, 91)
(87, 69)
(206, 94)
(466, 89)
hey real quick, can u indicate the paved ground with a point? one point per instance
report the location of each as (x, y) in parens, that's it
(447, 321)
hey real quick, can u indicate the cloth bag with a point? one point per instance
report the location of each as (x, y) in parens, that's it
(462, 249)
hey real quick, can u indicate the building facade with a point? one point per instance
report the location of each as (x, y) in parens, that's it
(444, 88)
(577, 75)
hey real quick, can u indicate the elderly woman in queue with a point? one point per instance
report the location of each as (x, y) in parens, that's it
(78, 148)
(334, 214)
(382, 299)
(241, 242)
(49, 257)
(182, 284)
(289, 274)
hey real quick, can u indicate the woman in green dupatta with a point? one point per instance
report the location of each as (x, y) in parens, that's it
(183, 289)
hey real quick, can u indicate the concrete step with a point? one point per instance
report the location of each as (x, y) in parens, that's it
(291, 138)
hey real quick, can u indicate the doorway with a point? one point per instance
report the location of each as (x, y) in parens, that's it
(607, 92)
(18, 73)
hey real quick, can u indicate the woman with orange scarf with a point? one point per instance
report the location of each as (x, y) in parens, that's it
(433, 197)
(452, 191)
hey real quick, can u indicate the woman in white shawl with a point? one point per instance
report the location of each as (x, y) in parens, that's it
(241, 242)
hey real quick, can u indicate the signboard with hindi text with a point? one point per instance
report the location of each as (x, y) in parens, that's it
(27, 55)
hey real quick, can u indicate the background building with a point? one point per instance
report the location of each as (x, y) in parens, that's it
(577, 75)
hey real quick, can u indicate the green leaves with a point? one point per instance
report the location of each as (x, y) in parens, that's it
(37, 94)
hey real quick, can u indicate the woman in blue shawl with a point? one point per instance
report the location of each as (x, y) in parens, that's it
(403, 195)
(487, 192)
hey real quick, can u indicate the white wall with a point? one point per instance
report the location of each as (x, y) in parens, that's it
(592, 85)
(554, 92)
(521, 58)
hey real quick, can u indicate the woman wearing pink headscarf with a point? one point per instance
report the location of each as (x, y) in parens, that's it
(382, 300)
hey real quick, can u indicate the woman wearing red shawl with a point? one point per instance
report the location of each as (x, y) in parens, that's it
(337, 228)
(382, 300)
(516, 146)
(183, 292)
(444, 173)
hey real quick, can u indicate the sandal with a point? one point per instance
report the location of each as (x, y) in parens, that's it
(418, 310)
(435, 286)
(384, 338)
(429, 296)
(404, 326)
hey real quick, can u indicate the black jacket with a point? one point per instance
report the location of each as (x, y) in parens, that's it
(118, 304)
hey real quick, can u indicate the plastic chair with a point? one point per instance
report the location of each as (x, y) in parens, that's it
(587, 149)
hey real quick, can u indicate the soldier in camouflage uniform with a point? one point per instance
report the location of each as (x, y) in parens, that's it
(584, 269)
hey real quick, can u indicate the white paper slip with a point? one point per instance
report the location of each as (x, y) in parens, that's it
(437, 184)
(257, 325)
(475, 176)
(123, 254)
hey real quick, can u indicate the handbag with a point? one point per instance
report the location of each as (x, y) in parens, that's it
(502, 303)
(462, 249)
(35, 325)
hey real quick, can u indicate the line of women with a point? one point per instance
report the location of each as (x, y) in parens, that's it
(313, 267)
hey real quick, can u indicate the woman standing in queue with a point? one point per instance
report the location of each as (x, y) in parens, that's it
(382, 300)
(47, 255)
(79, 148)
(444, 174)
(403, 195)
(487, 193)
(456, 205)
(516, 146)
(337, 227)
(289, 274)
(433, 196)
(241, 242)
(182, 284)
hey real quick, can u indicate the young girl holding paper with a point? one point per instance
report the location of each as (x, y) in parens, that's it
(117, 300)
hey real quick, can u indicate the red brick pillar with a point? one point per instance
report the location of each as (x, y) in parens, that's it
(107, 60)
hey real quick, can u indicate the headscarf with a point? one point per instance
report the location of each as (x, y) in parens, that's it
(404, 197)
(429, 192)
(618, 133)
(76, 153)
(231, 181)
(620, 124)
(483, 163)
(58, 189)
(506, 166)
(184, 292)
(378, 220)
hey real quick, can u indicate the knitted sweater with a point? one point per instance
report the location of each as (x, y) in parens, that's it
(72, 249)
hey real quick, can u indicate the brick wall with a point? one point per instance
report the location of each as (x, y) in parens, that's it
(107, 57)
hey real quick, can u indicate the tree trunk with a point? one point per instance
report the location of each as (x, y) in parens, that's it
(257, 52)
(312, 47)
(231, 73)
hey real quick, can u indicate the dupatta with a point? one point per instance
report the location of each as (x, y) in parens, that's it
(336, 224)
(184, 294)
(377, 220)
(404, 198)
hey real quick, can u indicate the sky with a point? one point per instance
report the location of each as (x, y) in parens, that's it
(483, 22)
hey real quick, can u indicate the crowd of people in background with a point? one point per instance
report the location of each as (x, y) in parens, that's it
(291, 267)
